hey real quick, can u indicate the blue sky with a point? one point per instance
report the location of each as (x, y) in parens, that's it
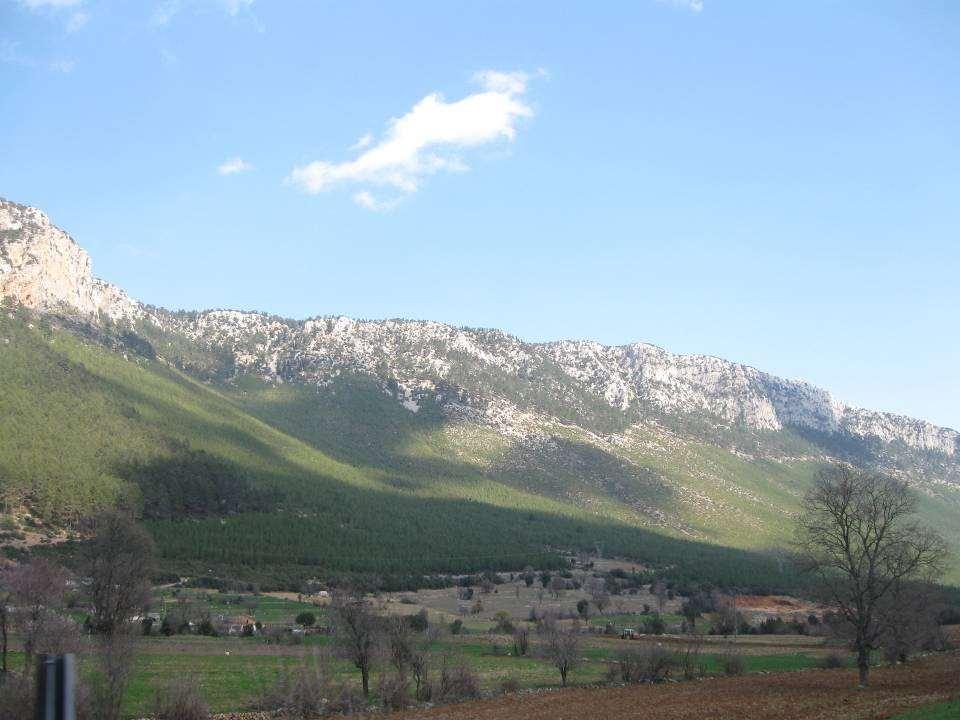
(773, 183)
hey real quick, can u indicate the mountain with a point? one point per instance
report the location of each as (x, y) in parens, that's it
(381, 446)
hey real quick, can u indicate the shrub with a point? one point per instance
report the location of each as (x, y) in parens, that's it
(521, 640)
(180, 700)
(732, 664)
(456, 627)
(509, 685)
(832, 661)
(306, 618)
(647, 664)
(583, 608)
(420, 622)
(457, 682)
(654, 626)
(394, 692)
(691, 659)
(299, 693)
(16, 698)
(504, 623)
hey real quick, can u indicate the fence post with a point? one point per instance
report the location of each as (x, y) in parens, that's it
(56, 676)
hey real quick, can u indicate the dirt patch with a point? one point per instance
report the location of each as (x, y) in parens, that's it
(810, 695)
(782, 606)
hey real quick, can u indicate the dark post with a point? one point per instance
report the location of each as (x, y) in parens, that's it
(55, 687)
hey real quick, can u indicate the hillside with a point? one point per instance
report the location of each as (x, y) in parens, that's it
(276, 448)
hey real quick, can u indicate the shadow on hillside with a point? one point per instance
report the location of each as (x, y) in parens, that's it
(357, 423)
(393, 533)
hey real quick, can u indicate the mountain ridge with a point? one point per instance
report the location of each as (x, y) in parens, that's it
(272, 447)
(43, 268)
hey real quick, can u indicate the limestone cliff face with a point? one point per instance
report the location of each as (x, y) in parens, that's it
(42, 268)
(486, 374)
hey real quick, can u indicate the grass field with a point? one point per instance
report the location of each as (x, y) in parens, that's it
(949, 710)
(231, 672)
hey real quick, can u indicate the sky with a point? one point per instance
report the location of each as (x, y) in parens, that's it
(775, 183)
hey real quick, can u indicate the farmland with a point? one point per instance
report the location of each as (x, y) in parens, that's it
(234, 671)
(780, 696)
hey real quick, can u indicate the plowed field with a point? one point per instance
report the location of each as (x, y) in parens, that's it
(810, 695)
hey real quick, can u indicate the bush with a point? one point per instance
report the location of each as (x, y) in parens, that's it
(456, 627)
(306, 618)
(504, 623)
(16, 698)
(732, 664)
(394, 692)
(832, 661)
(654, 626)
(180, 701)
(420, 622)
(691, 661)
(583, 608)
(458, 682)
(521, 640)
(509, 685)
(300, 693)
(646, 664)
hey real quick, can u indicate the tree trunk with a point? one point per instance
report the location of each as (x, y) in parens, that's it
(3, 635)
(563, 677)
(365, 679)
(863, 663)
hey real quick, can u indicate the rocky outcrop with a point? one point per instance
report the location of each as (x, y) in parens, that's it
(42, 268)
(486, 374)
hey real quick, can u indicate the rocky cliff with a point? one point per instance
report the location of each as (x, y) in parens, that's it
(491, 376)
(42, 268)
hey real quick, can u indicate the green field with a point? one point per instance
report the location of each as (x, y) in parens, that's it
(939, 711)
(232, 682)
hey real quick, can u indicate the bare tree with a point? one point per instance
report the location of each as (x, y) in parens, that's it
(421, 664)
(856, 534)
(557, 586)
(521, 640)
(118, 561)
(659, 589)
(37, 590)
(599, 594)
(357, 630)
(4, 625)
(399, 644)
(908, 617)
(563, 649)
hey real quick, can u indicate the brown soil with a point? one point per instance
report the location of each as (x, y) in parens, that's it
(810, 695)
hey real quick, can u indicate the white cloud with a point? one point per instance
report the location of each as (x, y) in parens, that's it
(424, 141)
(34, 4)
(10, 55)
(363, 141)
(62, 66)
(168, 57)
(77, 20)
(234, 166)
(694, 6)
(166, 10)
(367, 201)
